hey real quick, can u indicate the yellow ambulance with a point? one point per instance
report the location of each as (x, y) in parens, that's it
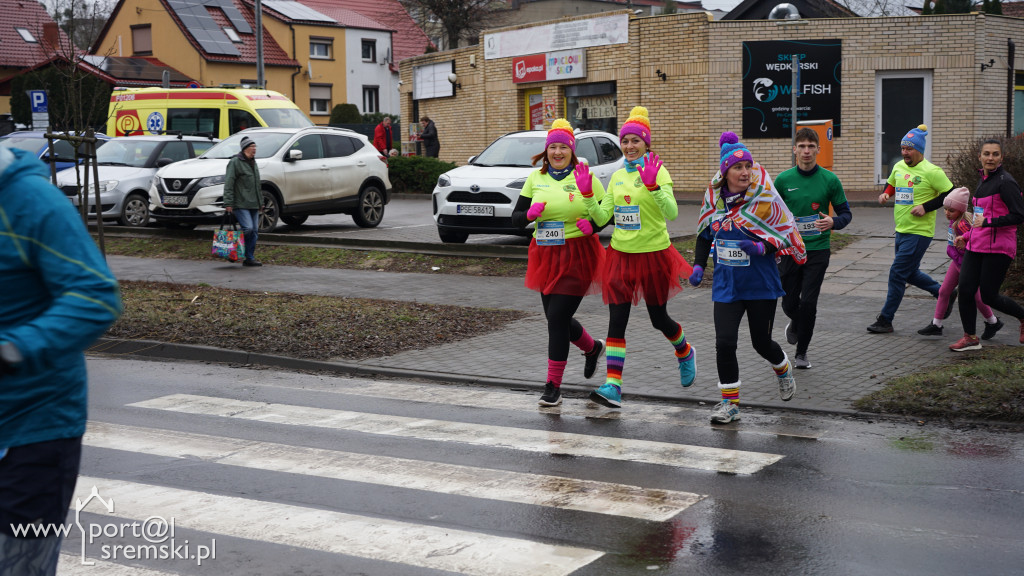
(219, 112)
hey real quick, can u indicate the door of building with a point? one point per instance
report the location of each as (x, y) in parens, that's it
(902, 101)
(534, 112)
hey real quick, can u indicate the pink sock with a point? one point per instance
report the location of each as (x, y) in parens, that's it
(584, 342)
(555, 370)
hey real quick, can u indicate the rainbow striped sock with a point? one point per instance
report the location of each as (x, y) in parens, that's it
(782, 368)
(730, 392)
(615, 356)
(683, 349)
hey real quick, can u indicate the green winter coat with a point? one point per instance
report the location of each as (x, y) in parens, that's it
(242, 184)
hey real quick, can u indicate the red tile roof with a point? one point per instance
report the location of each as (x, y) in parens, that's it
(344, 17)
(408, 39)
(1015, 9)
(15, 52)
(273, 54)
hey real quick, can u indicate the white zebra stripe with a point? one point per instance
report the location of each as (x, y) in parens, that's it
(536, 489)
(663, 453)
(432, 547)
(576, 408)
(71, 565)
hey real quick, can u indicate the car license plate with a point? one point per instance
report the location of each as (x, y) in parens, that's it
(176, 200)
(474, 210)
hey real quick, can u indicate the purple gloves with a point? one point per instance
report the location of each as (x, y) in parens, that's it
(698, 276)
(752, 247)
(585, 226)
(649, 171)
(535, 209)
(584, 182)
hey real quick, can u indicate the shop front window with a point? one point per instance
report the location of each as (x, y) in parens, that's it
(592, 106)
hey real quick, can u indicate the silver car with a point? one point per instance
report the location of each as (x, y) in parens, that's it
(126, 166)
(303, 172)
(479, 198)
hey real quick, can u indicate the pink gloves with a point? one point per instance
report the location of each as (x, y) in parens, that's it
(584, 182)
(535, 209)
(649, 171)
(585, 226)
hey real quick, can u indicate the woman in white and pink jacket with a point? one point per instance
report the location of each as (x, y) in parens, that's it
(998, 208)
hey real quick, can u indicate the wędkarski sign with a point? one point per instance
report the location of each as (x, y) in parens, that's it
(767, 82)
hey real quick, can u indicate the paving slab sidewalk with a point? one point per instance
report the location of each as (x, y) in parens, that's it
(848, 362)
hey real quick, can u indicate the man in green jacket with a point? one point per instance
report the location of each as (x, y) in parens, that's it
(242, 196)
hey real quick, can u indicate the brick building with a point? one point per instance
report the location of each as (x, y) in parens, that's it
(888, 74)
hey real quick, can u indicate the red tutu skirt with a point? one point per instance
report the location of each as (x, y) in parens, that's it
(653, 276)
(573, 268)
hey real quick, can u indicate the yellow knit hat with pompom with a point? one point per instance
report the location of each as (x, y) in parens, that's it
(638, 123)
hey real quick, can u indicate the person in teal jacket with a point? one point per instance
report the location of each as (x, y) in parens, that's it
(58, 297)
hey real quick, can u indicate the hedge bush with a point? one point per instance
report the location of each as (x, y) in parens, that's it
(963, 166)
(416, 174)
(346, 114)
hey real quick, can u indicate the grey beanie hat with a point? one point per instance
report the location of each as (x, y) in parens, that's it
(246, 142)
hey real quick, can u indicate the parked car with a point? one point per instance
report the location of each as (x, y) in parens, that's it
(126, 166)
(479, 198)
(304, 172)
(34, 141)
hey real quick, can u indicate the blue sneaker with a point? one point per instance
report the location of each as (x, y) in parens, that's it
(608, 395)
(688, 368)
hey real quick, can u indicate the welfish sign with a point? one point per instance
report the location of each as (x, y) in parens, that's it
(768, 78)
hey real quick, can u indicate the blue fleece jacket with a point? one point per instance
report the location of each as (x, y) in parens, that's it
(57, 297)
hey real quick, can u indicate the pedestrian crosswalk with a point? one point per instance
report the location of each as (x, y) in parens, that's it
(409, 445)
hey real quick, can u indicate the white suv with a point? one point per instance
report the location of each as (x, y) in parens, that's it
(303, 171)
(479, 198)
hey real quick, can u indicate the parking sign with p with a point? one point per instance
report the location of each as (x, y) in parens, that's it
(40, 109)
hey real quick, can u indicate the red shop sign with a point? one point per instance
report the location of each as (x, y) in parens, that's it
(529, 68)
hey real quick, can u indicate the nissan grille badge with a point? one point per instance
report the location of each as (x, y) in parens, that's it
(475, 188)
(176, 184)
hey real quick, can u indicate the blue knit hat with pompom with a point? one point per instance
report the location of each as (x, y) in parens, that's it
(732, 151)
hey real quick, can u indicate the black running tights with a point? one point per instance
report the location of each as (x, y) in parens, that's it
(562, 327)
(760, 318)
(984, 271)
(618, 317)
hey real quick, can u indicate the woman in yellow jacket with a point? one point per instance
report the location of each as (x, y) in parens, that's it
(565, 257)
(641, 261)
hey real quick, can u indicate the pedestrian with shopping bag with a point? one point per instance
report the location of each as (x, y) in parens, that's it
(242, 196)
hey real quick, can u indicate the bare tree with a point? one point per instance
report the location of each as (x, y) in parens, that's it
(81, 20)
(458, 19)
(868, 8)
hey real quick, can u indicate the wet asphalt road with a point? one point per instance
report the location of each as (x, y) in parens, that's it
(836, 495)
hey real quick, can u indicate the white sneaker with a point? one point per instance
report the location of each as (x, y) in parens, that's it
(725, 412)
(787, 385)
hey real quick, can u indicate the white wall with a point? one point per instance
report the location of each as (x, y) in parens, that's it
(370, 73)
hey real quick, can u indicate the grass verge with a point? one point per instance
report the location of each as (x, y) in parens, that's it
(294, 325)
(311, 256)
(984, 385)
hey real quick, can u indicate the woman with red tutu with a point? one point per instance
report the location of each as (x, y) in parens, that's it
(565, 257)
(641, 261)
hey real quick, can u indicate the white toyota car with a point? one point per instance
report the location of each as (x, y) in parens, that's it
(479, 198)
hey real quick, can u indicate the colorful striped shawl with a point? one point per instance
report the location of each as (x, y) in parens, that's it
(762, 212)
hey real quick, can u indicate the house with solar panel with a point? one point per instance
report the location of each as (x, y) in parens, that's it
(319, 53)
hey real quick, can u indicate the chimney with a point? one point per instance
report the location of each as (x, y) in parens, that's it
(51, 35)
